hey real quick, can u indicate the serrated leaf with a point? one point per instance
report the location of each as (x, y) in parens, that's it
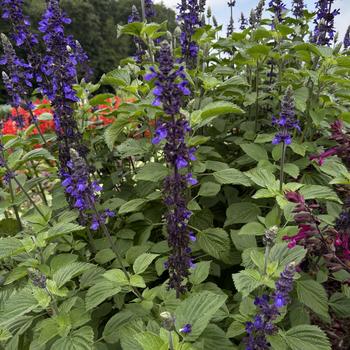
(214, 337)
(18, 304)
(149, 341)
(66, 273)
(231, 176)
(131, 206)
(247, 281)
(241, 213)
(319, 192)
(209, 189)
(153, 172)
(143, 261)
(113, 131)
(81, 339)
(100, 292)
(306, 337)
(313, 295)
(200, 273)
(254, 151)
(253, 229)
(197, 310)
(214, 241)
(111, 330)
(219, 108)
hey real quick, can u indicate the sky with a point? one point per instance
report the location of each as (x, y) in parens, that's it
(221, 11)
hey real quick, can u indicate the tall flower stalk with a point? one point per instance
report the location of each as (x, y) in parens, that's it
(298, 8)
(171, 87)
(278, 7)
(286, 123)
(268, 311)
(231, 4)
(324, 23)
(190, 18)
(346, 41)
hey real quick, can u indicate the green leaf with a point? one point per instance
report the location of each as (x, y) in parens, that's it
(306, 337)
(214, 241)
(149, 341)
(301, 96)
(258, 50)
(214, 337)
(340, 304)
(113, 131)
(100, 99)
(114, 324)
(236, 328)
(219, 108)
(209, 189)
(131, 206)
(19, 303)
(66, 273)
(313, 295)
(116, 275)
(253, 229)
(100, 292)
(247, 281)
(231, 176)
(143, 261)
(241, 213)
(254, 151)
(153, 172)
(277, 342)
(8, 246)
(284, 255)
(200, 273)
(319, 192)
(292, 170)
(137, 281)
(81, 339)
(197, 310)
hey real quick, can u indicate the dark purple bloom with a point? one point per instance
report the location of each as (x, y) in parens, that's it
(269, 306)
(278, 7)
(298, 8)
(18, 76)
(347, 38)
(186, 329)
(83, 192)
(287, 121)
(59, 67)
(259, 11)
(171, 87)
(12, 11)
(243, 21)
(324, 23)
(190, 19)
(149, 9)
(231, 4)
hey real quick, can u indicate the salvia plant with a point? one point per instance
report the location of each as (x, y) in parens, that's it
(195, 197)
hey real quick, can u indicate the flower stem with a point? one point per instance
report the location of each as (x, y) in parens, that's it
(39, 184)
(28, 196)
(171, 343)
(283, 159)
(114, 248)
(15, 208)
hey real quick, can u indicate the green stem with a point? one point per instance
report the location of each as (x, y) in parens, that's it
(143, 10)
(28, 196)
(91, 241)
(266, 259)
(283, 159)
(15, 208)
(171, 343)
(41, 190)
(257, 96)
(114, 248)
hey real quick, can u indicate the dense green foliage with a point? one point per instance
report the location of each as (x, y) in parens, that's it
(88, 303)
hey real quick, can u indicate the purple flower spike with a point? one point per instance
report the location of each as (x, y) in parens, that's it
(173, 128)
(298, 8)
(287, 121)
(324, 23)
(262, 324)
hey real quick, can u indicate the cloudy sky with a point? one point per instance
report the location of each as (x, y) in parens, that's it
(221, 12)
